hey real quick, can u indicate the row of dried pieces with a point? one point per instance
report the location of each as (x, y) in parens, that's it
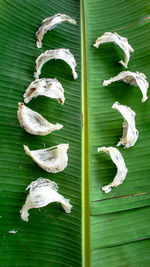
(54, 159)
(130, 133)
(132, 78)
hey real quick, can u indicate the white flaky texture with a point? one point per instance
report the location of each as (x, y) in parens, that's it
(53, 159)
(50, 23)
(130, 133)
(34, 123)
(120, 164)
(132, 78)
(60, 53)
(121, 41)
(51, 88)
(43, 192)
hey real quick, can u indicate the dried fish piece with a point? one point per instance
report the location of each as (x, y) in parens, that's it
(61, 53)
(34, 123)
(43, 192)
(130, 133)
(51, 88)
(50, 23)
(53, 159)
(132, 78)
(120, 164)
(121, 41)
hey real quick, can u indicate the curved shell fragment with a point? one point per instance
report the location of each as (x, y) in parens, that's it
(50, 23)
(51, 88)
(120, 164)
(52, 159)
(61, 53)
(130, 133)
(33, 123)
(121, 41)
(132, 78)
(43, 192)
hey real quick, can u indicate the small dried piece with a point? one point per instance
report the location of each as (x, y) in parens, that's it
(53, 159)
(43, 192)
(61, 53)
(12, 231)
(121, 41)
(51, 88)
(132, 78)
(34, 123)
(130, 133)
(50, 23)
(120, 164)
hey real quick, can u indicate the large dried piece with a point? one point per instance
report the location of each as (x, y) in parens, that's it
(120, 164)
(50, 23)
(51, 88)
(53, 159)
(132, 78)
(34, 123)
(43, 192)
(130, 133)
(121, 41)
(61, 53)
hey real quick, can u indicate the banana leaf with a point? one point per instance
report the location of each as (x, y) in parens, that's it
(102, 229)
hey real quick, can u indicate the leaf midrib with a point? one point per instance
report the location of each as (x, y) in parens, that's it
(85, 145)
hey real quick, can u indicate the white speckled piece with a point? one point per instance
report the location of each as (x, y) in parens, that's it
(33, 123)
(50, 23)
(43, 192)
(132, 78)
(130, 133)
(120, 164)
(61, 53)
(52, 159)
(121, 41)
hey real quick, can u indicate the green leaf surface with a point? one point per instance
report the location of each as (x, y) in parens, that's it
(119, 221)
(51, 237)
(110, 230)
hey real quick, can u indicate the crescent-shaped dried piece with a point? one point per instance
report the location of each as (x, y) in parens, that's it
(120, 164)
(132, 78)
(34, 123)
(43, 192)
(61, 53)
(121, 41)
(53, 159)
(130, 133)
(50, 23)
(51, 88)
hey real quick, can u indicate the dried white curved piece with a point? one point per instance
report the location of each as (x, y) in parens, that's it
(43, 192)
(61, 53)
(132, 78)
(130, 133)
(53, 159)
(120, 164)
(121, 41)
(34, 123)
(51, 88)
(50, 23)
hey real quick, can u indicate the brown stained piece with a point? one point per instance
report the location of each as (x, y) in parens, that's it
(51, 88)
